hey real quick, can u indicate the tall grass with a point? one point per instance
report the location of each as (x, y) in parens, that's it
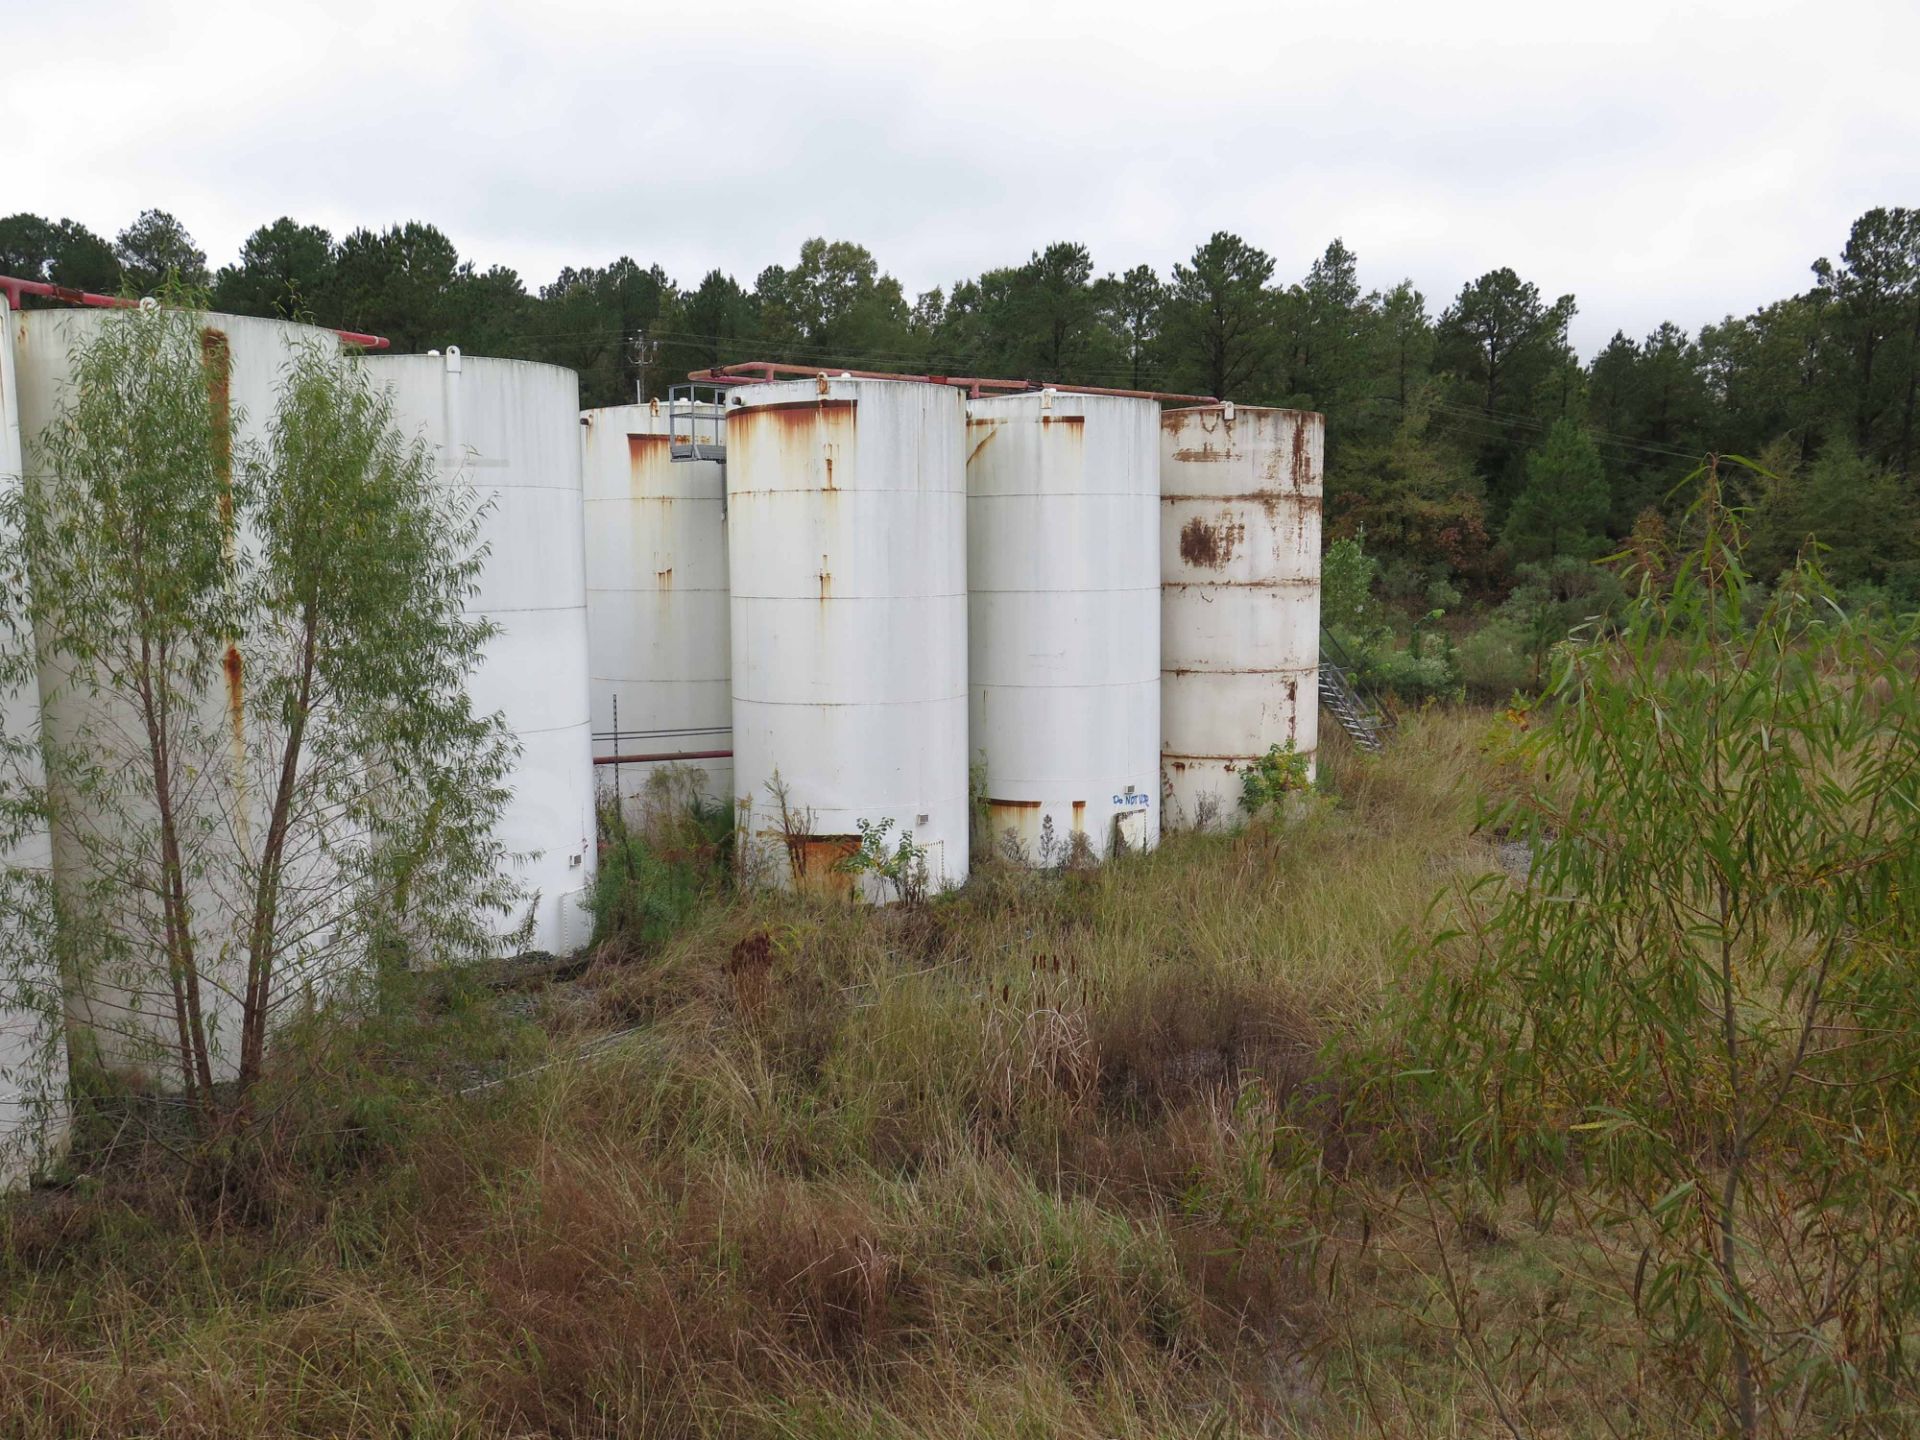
(1028, 1161)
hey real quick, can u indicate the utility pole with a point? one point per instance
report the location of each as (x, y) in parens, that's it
(645, 353)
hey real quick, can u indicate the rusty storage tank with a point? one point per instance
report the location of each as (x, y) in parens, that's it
(128, 1014)
(511, 430)
(846, 503)
(1064, 620)
(657, 607)
(1240, 616)
(33, 1059)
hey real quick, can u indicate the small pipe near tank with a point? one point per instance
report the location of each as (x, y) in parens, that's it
(765, 371)
(662, 759)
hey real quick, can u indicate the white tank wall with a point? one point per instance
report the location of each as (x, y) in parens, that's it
(657, 606)
(33, 1056)
(1240, 565)
(1063, 501)
(510, 429)
(847, 551)
(129, 1018)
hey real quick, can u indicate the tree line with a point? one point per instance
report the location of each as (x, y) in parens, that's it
(1463, 442)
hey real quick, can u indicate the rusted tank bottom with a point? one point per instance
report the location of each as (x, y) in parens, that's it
(1048, 833)
(1202, 792)
(813, 864)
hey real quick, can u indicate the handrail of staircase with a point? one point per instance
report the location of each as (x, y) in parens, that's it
(1330, 641)
(1381, 715)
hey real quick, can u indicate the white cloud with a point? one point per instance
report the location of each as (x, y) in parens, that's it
(1660, 160)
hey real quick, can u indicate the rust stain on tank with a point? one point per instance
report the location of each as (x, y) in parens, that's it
(642, 452)
(664, 578)
(237, 737)
(1209, 546)
(1079, 817)
(1302, 459)
(991, 427)
(236, 687)
(825, 577)
(1205, 455)
(788, 439)
(216, 358)
(1287, 582)
(1075, 422)
(814, 861)
(793, 412)
(1019, 818)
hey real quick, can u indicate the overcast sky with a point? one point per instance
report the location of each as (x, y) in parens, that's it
(1657, 158)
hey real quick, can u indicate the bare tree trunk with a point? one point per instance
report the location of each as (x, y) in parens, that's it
(266, 900)
(175, 907)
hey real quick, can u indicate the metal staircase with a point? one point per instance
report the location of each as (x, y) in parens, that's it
(1342, 699)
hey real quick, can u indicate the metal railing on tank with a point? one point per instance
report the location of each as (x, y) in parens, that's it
(1359, 714)
(697, 422)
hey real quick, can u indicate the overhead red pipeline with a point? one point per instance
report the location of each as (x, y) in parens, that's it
(755, 372)
(662, 759)
(13, 289)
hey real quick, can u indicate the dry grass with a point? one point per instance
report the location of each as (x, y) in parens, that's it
(1029, 1162)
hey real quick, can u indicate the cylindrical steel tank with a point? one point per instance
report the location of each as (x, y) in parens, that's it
(847, 552)
(657, 606)
(127, 1007)
(33, 1056)
(1240, 618)
(1064, 620)
(510, 429)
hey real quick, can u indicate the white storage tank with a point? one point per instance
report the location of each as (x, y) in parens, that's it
(1240, 567)
(657, 606)
(128, 1014)
(847, 551)
(510, 429)
(33, 1057)
(1063, 501)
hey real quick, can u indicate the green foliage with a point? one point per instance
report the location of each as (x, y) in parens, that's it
(62, 253)
(1500, 342)
(285, 269)
(1347, 574)
(1563, 509)
(1421, 671)
(1552, 602)
(661, 857)
(1219, 315)
(1415, 674)
(1495, 661)
(903, 867)
(155, 251)
(1441, 433)
(1862, 520)
(639, 897)
(1281, 772)
(1415, 494)
(266, 771)
(1692, 1023)
(833, 304)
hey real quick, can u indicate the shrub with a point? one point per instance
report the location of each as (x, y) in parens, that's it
(656, 868)
(1494, 661)
(1692, 1024)
(903, 868)
(1281, 772)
